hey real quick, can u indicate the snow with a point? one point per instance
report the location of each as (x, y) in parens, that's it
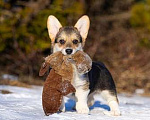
(26, 104)
(9, 77)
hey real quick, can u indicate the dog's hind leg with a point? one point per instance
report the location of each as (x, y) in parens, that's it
(112, 101)
(91, 99)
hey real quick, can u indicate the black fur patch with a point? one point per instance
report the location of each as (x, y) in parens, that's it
(55, 41)
(101, 79)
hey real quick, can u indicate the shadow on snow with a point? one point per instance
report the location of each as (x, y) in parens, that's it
(71, 103)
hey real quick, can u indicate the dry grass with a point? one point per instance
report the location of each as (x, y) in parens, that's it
(14, 83)
(23, 81)
(30, 80)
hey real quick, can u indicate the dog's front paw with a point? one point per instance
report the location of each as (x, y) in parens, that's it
(112, 113)
(82, 109)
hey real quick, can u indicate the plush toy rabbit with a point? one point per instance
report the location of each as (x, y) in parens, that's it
(58, 82)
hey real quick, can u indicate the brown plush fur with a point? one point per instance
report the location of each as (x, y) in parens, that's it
(58, 82)
(62, 64)
(53, 91)
(82, 61)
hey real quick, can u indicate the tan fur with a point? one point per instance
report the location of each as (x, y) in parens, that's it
(68, 40)
(86, 86)
(54, 26)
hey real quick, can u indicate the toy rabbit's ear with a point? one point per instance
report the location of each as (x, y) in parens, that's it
(83, 25)
(53, 26)
(44, 69)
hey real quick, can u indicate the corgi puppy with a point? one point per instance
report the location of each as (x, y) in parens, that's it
(70, 39)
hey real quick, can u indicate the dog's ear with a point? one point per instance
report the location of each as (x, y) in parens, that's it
(53, 26)
(83, 25)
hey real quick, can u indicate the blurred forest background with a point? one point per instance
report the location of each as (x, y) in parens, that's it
(119, 36)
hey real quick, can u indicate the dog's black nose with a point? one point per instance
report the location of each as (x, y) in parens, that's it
(69, 51)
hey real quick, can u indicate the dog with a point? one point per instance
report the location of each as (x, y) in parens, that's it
(70, 39)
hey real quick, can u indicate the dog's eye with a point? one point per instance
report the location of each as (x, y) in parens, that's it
(75, 41)
(62, 41)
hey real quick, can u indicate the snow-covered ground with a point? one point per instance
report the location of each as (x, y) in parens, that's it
(25, 104)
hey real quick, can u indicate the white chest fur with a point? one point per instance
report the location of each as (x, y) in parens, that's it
(78, 79)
